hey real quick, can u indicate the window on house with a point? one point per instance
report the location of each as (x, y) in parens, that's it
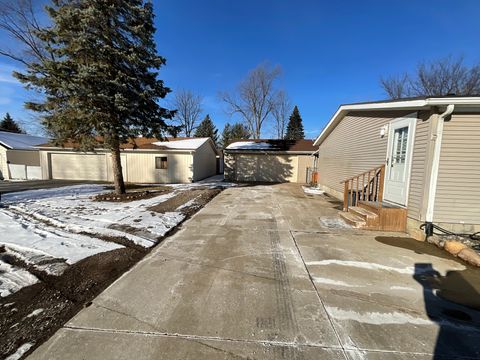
(161, 162)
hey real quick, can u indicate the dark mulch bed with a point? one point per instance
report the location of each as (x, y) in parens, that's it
(133, 193)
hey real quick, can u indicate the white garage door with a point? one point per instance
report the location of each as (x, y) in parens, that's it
(79, 167)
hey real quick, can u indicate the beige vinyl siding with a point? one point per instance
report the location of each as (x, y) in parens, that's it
(419, 164)
(353, 147)
(141, 168)
(458, 186)
(3, 163)
(304, 161)
(204, 162)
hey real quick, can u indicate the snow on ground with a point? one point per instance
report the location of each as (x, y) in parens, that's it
(13, 279)
(20, 351)
(312, 190)
(34, 242)
(50, 229)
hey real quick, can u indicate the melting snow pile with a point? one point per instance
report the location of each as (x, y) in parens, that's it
(312, 190)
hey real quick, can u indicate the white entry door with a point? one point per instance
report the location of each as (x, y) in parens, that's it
(399, 160)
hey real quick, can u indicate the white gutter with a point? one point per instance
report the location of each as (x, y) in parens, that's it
(436, 161)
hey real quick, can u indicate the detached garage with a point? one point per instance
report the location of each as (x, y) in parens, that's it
(268, 160)
(144, 160)
(19, 158)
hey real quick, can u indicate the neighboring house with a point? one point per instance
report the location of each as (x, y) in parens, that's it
(144, 160)
(19, 159)
(268, 160)
(427, 151)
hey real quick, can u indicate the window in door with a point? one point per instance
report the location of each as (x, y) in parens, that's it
(399, 154)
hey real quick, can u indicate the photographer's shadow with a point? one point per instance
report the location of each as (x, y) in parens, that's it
(453, 303)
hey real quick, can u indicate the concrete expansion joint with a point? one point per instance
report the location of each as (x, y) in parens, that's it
(200, 337)
(330, 320)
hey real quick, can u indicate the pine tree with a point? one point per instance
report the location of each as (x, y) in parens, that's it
(233, 132)
(295, 126)
(102, 77)
(207, 129)
(8, 124)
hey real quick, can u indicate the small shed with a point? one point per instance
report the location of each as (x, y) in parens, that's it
(19, 159)
(272, 161)
(144, 160)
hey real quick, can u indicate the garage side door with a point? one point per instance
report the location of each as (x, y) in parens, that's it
(79, 167)
(266, 168)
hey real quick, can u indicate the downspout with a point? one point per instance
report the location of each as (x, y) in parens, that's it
(434, 174)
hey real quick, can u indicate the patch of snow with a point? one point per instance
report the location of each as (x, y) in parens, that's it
(408, 270)
(20, 351)
(21, 141)
(35, 313)
(13, 278)
(402, 288)
(186, 205)
(249, 145)
(333, 282)
(187, 144)
(334, 223)
(312, 190)
(34, 242)
(377, 318)
(393, 318)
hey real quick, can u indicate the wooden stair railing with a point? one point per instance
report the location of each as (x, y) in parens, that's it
(357, 189)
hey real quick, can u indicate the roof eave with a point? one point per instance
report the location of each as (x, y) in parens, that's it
(396, 105)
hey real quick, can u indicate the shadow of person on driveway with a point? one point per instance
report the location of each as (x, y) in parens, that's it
(453, 303)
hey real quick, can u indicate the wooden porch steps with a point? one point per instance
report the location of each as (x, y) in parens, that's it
(375, 216)
(363, 205)
(352, 219)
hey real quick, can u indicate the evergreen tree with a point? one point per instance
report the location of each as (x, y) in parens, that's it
(233, 132)
(8, 124)
(101, 79)
(207, 129)
(295, 126)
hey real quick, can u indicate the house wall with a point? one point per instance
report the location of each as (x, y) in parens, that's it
(355, 146)
(26, 164)
(140, 168)
(204, 162)
(304, 161)
(422, 149)
(266, 167)
(457, 198)
(137, 167)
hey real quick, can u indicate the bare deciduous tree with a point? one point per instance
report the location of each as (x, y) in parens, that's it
(396, 87)
(281, 113)
(256, 98)
(19, 20)
(438, 78)
(189, 108)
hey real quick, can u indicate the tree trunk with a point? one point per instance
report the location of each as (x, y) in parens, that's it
(117, 171)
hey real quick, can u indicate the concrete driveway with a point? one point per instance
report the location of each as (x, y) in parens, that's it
(266, 272)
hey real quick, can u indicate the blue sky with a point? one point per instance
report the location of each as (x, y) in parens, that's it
(331, 52)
